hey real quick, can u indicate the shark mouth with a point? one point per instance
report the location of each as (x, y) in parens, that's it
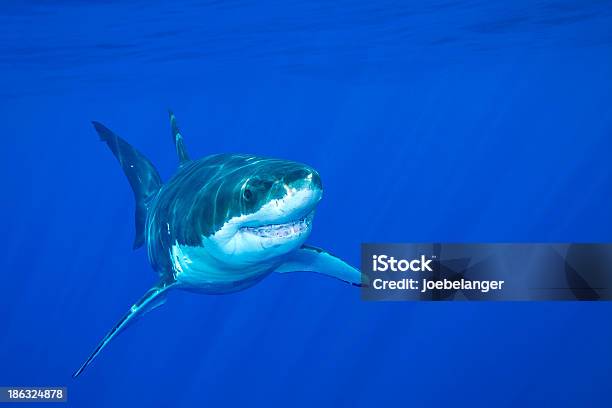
(285, 230)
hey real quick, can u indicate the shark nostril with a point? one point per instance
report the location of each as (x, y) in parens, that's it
(277, 190)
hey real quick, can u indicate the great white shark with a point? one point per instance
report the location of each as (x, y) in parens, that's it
(221, 224)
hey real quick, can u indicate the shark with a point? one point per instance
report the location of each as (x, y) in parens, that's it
(220, 224)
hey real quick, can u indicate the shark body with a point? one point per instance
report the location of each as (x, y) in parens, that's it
(221, 224)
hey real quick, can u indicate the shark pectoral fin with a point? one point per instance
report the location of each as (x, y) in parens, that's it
(312, 259)
(154, 298)
(140, 172)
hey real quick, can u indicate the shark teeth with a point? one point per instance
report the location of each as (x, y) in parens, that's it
(281, 230)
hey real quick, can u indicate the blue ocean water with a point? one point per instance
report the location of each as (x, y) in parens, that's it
(462, 121)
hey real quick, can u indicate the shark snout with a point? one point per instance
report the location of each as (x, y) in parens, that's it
(304, 179)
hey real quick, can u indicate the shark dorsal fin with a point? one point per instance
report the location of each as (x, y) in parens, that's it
(181, 151)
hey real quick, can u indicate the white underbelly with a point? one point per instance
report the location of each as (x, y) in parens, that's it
(194, 268)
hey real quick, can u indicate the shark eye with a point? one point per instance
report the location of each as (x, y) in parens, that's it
(247, 194)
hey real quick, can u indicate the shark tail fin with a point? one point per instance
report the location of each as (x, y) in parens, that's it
(154, 298)
(141, 174)
(181, 150)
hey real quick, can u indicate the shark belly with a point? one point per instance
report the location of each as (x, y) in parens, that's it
(196, 270)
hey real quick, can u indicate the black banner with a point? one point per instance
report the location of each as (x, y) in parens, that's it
(451, 271)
